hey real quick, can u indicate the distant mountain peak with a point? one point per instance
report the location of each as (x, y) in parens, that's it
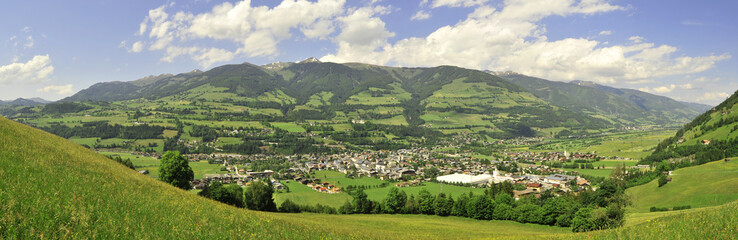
(26, 101)
(502, 73)
(584, 83)
(310, 60)
(277, 65)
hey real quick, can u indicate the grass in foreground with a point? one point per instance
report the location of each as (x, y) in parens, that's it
(420, 227)
(53, 188)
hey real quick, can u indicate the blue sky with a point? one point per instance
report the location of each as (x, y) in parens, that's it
(681, 49)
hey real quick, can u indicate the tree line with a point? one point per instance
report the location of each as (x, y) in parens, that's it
(104, 130)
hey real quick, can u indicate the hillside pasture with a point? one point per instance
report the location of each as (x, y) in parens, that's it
(706, 185)
(304, 195)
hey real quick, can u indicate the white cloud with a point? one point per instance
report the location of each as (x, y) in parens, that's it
(204, 57)
(362, 33)
(26, 29)
(256, 30)
(512, 38)
(57, 89)
(667, 88)
(420, 15)
(137, 47)
(29, 42)
(457, 3)
(713, 97)
(606, 33)
(706, 79)
(207, 57)
(36, 70)
(636, 39)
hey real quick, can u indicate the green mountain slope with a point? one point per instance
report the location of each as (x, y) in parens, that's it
(711, 136)
(446, 98)
(624, 106)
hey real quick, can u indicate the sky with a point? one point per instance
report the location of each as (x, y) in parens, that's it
(681, 49)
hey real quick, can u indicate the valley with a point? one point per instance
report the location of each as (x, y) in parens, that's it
(349, 138)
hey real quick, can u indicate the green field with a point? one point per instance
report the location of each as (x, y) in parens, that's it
(633, 145)
(290, 127)
(84, 141)
(138, 160)
(303, 195)
(340, 179)
(630, 145)
(706, 185)
(228, 141)
(378, 194)
(613, 163)
(200, 168)
(421, 227)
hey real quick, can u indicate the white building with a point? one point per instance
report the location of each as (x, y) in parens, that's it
(465, 178)
(497, 178)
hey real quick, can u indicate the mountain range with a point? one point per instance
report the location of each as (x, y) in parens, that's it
(447, 98)
(627, 106)
(25, 102)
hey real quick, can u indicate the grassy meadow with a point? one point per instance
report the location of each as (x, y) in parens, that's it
(711, 184)
(304, 195)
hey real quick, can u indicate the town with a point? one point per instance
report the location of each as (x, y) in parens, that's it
(409, 167)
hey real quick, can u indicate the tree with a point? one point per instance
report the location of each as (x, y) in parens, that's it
(361, 202)
(426, 202)
(431, 172)
(175, 170)
(411, 207)
(481, 207)
(504, 212)
(289, 207)
(443, 205)
(346, 208)
(529, 213)
(459, 208)
(228, 194)
(582, 221)
(663, 180)
(395, 201)
(259, 196)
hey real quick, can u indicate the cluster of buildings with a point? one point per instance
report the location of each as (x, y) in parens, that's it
(549, 156)
(237, 178)
(535, 184)
(317, 185)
